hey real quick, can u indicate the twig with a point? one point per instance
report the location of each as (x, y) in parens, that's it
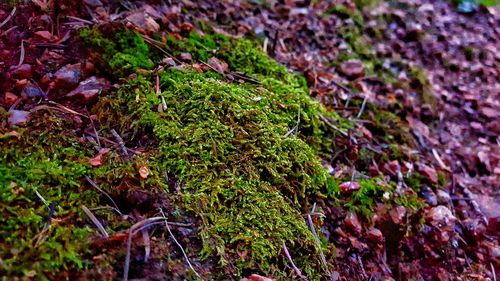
(327, 122)
(295, 128)
(316, 239)
(80, 20)
(493, 272)
(159, 46)
(50, 45)
(41, 198)
(363, 272)
(120, 142)
(440, 161)
(67, 109)
(474, 204)
(341, 86)
(134, 229)
(93, 128)
(94, 185)
(295, 268)
(95, 221)
(106, 140)
(179, 245)
(21, 56)
(8, 30)
(363, 105)
(147, 244)
(6, 20)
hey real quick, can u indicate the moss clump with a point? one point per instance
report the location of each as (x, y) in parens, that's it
(230, 146)
(370, 191)
(122, 54)
(344, 12)
(47, 161)
(420, 83)
(226, 144)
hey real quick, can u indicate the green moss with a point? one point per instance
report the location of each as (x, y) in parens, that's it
(344, 12)
(365, 3)
(410, 201)
(229, 146)
(225, 143)
(442, 179)
(47, 161)
(468, 52)
(414, 181)
(420, 83)
(124, 53)
(363, 200)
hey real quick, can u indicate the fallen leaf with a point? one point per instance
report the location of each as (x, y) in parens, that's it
(45, 35)
(428, 172)
(143, 172)
(218, 65)
(98, 159)
(349, 186)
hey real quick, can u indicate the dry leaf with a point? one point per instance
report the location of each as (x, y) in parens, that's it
(143, 172)
(98, 159)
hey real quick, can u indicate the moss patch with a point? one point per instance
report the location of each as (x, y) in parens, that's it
(49, 162)
(246, 156)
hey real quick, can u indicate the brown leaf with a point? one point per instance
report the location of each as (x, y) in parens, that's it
(218, 65)
(98, 159)
(143, 172)
(44, 34)
(349, 186)
(256, 277)
(428, 172)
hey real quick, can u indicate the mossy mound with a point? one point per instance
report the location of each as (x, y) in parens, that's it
(40, 238)
(233, 149)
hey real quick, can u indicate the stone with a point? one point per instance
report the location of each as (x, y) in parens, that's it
(352, 69)
(18, 117)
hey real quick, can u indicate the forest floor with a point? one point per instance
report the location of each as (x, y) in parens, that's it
(375, 155)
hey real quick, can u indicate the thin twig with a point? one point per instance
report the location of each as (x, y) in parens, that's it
(147, 244)
(341, 86)
(363, 272)
(179, 245)
(93, 127)
(316, 239)
(8, 30)
(80, 20)
(21, 56)
(94, 185)
(493, 272)
(474, 204)
(363, 105)
(440, 161)
(95, 221)
(41, 198)
(159, 46)
(295, 268)
(120, 142)
(8, 17)
(106, 140)
(295, 128)
(134, 229)
(327, 122)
